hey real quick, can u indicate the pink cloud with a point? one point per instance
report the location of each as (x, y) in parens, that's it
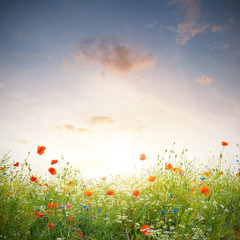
(192, 24)
(112, 54)
(204, 80)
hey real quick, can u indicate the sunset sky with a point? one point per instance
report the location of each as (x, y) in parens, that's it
(100, 82)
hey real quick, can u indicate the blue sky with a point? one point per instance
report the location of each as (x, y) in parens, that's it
(100, 82)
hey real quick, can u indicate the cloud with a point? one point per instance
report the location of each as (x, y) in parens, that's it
(133, 129)
(204, 80)
(112, 54)
(101, 119)
(219, 29)
(152, 25)
(1, 84)
(71, 128)
(192, 24)
(83, 130)
(217, 46)
(22, 141)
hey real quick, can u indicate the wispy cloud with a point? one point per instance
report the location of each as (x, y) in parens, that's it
(192, 24)
(205, 80)
(111, 53)
(128, 128)
(217, 46)
(219, 28)
(1, 84)
(152, 25)
(22, 141)
(71, 129)
(100, 120)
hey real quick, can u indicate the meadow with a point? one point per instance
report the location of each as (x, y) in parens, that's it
(172, 200)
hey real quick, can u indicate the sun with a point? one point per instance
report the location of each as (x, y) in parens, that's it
(122, 155)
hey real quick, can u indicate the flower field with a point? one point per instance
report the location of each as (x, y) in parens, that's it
(172, 200)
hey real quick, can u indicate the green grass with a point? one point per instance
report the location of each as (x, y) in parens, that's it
(172, 205)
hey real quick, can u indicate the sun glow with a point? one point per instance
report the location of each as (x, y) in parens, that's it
(122, 155)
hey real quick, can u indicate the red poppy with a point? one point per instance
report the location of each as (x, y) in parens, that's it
(70, 183)
(178, 170)
(142, 157)
(40, 215)
(221, 172)
(88, 193)
(81, 234)
(68, 206)
(146, 230)
(224, 144)
(50, 225)
(236, 233)
(34, 179)
(40, 150)
(70, 218)
(238, 174)
(35, 212)
(54, 162)
(168, 166)
(16, 164)
(136, 193)
(51, 205)
(52, 170)
(152, 178)
(206, 174)
(48, 212)
(110, 192)
(205, 190)
(103, 178)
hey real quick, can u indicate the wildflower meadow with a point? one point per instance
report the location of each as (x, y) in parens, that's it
(171, 200)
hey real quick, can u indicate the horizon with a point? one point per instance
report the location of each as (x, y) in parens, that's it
(101, 82)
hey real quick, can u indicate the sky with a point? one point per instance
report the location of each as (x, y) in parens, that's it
(99, 82)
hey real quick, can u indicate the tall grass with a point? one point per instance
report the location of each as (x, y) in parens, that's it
(182, 203)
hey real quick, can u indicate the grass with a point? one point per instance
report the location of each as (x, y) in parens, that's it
(183, 203)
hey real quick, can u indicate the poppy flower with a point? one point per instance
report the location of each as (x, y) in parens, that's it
(70, 218)
(205, 190)
(54, 162)
(142, 157)
(236, 233)
(40, 215)
(51, 205)
(48, 212)
(168, 166)
(221, 172)
(70, 183)
(40, 150)
(68, 206)
(81, 234)
(178, 170)
(50, 225)
(146, 230)
(110, 192)
(238, 174)
(136, 193)
(52, 170)
(224, 144)
(206, 174)
(16, 164)
(35, 212)
(88, 193)
(103, 178)
(34, 179)
(152, 178)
